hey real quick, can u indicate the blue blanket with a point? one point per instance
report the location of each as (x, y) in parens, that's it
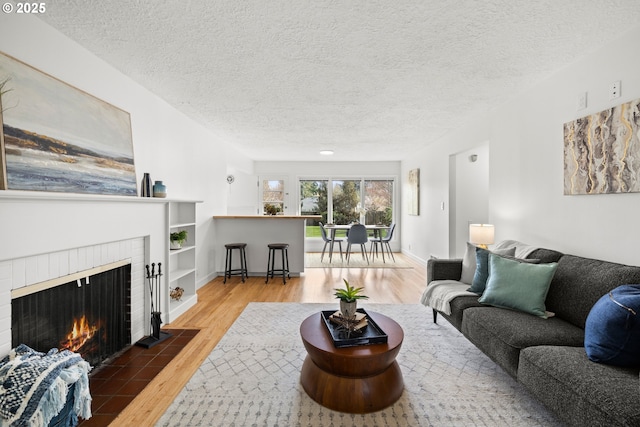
(32, 391)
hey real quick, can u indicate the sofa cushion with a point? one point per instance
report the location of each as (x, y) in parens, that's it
(545, 255)
(458, 305)
(482, 267)
(517, 285)
(612, 330)
(580, 392)
(502, 333)
(468, 264)
(579, 282)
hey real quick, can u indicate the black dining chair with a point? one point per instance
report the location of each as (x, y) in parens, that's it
(358, 236)
(328, 241)
(384, 243)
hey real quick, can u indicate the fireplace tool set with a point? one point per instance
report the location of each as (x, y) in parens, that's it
(156, 335)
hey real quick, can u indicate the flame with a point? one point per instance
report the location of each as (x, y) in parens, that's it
(81, 332)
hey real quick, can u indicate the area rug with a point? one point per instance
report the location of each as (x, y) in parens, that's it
(312, 260)
(252, 378)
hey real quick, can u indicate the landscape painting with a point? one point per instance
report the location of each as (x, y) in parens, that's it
(60, 139)
(602, 151)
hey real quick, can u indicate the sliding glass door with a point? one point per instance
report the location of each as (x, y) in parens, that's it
(344, 201)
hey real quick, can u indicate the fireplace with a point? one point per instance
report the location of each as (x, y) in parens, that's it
(90, 315)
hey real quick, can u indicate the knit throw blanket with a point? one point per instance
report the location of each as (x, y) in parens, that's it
(34, 386)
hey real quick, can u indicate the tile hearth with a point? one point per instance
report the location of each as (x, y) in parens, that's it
(117, 382)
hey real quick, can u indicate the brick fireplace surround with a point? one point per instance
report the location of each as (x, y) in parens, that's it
(52, 236)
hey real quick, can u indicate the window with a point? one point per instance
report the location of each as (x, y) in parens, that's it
(313, 201)
(378, 201)
(343, 201)
(346, 207)
(272, 196)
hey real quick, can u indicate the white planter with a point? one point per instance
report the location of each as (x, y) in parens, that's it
(348, 309)
(175, 245)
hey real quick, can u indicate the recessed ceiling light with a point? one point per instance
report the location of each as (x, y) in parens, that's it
(326, 152)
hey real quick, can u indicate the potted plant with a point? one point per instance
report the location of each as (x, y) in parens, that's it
(271, 209)
(177, 238)
(349, 297)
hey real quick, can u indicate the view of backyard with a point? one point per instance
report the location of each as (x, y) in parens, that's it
(367, 201)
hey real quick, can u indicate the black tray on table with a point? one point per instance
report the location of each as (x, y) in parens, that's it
(370, 334)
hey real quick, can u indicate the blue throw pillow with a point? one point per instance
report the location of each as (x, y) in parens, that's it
(482, 267)
(612, 329)
(518, 285)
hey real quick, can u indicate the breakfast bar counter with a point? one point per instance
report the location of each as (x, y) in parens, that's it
(257, 231)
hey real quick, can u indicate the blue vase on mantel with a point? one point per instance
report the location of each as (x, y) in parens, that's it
(159, 189)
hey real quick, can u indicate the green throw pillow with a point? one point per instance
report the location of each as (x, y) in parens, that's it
(518, 286)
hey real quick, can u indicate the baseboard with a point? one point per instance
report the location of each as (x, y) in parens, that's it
(414, 257)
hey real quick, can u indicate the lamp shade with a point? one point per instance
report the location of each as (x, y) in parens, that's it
(481, 234)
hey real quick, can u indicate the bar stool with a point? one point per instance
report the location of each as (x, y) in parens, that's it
(284, 250)
(228, 270)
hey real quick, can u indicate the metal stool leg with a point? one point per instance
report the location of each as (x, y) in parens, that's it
(227, 266)
(269, 263)
(243, 265)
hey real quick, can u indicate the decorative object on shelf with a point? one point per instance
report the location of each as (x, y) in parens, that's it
(230, 179)
(177, 238)
(156, 335)
(159, 189)
(145, 187)
(481, 235)
(176, 293)
(349, 297)
(76, 143)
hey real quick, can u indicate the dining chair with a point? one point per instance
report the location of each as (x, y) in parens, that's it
(384, 242)
(358, 236)
(328, 241)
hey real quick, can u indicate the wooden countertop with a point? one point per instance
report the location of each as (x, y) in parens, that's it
(267, 217)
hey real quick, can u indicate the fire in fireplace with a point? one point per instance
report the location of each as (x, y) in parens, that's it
(90, 316)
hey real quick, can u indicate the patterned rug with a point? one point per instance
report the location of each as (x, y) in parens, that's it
(252, 377)
(312, 260)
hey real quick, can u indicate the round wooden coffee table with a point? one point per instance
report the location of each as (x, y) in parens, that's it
(359, 379)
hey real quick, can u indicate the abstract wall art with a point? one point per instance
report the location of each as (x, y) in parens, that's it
(414, 192)
(602, 151)
(60, 139)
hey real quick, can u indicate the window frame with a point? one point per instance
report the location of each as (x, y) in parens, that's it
(362, 178)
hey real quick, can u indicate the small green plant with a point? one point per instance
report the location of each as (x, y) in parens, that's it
(349, 293)
(178, 236)
(271, 209)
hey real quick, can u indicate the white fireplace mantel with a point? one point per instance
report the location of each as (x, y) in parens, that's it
(50, 234)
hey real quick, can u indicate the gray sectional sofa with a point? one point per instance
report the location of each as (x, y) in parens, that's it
(547, 356)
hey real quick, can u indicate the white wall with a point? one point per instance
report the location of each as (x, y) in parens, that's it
(190, 160)
(469, 195)
(525, 137)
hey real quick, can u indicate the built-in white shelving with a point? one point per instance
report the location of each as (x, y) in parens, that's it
(182, 262)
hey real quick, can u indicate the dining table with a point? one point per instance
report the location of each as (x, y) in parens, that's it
(332, 228)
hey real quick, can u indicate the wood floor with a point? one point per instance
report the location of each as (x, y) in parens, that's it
(220, 304)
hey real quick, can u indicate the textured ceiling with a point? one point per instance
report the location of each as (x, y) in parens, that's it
(370, 79)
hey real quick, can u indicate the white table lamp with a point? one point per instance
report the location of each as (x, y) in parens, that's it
(481, 235)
